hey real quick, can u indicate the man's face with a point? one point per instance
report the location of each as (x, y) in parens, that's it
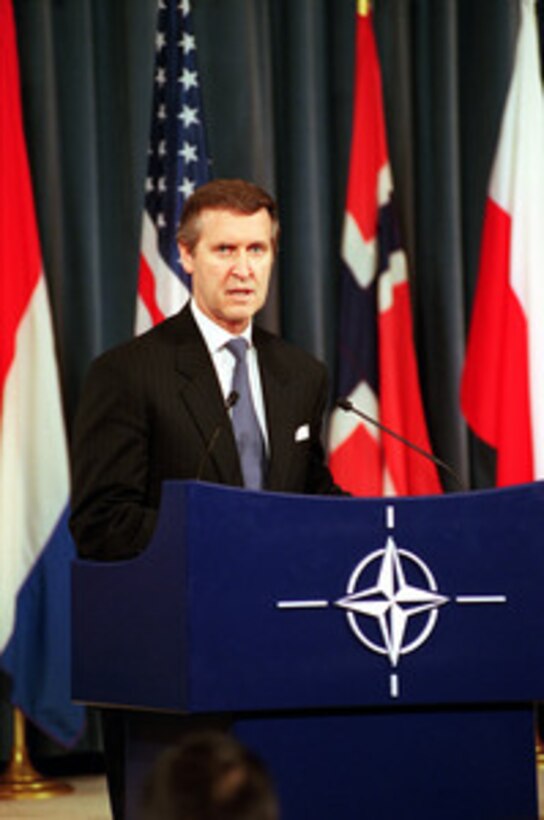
(230, 265)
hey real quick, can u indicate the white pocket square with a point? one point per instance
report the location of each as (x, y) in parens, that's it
(302, 433)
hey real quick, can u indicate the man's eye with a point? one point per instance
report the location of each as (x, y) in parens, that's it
(224, 250)
(257, 250)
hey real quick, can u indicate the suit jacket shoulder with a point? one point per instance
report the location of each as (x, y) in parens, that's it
(148, 411)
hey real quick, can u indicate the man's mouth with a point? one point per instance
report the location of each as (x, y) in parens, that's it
(240, 292)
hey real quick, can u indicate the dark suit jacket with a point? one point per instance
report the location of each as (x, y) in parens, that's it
(149, 411)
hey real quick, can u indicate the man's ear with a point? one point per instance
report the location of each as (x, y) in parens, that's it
(186, 258)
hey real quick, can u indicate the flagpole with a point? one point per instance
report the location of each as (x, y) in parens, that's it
(539, 754)
(21, 781)
(539, 745)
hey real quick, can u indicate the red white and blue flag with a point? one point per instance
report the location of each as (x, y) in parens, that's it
(502, 389)
(35, 544)
(177, 164)
(377, 361)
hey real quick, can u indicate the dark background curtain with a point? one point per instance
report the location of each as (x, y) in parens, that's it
(277, 81)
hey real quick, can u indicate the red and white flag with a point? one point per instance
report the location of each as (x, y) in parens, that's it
(377, 361)
(36, 548)
(502, 389)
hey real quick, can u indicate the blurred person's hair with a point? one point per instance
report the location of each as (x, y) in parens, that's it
(209, 775)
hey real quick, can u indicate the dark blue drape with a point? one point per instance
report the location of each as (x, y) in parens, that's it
(277, 83)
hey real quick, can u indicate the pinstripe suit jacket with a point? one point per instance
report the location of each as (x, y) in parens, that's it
(148, 411)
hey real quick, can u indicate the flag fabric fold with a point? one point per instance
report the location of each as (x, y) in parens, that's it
(377, 361)
(502, 387)
(177, 164)
(35, 544)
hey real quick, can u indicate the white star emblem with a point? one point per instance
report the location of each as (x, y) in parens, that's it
(188, 116)
(386, 596)
(188, 79)
(187, 42)
(392, 601)
(187, 187)
(189, 152)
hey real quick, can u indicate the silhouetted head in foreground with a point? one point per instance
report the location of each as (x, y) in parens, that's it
(209, 776)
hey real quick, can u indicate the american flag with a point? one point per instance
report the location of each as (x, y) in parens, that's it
(177, 164)
(377, 362)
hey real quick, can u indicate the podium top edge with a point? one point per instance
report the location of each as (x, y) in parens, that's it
(192, 485)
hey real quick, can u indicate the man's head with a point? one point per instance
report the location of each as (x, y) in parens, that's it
(234, 195)
(228, 237)
(209, 776)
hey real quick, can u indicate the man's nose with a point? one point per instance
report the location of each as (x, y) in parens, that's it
(242, 264)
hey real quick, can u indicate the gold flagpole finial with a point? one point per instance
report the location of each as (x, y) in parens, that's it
(364, 7)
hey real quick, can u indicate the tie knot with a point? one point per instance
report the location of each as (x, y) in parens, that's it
(238, 348)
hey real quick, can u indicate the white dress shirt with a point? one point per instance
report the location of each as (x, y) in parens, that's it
(223, 360)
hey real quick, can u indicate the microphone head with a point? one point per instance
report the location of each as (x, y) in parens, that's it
(231, 399)
(344, 404)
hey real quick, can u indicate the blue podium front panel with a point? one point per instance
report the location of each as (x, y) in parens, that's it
(377, 765)
(347, 602)
(266, 601)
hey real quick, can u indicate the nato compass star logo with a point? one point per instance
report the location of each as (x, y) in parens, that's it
(392, 602)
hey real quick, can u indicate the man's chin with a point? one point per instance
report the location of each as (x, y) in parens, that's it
(234, 321)
(243, 312)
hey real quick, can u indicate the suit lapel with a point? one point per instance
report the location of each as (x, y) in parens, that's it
(201, 394)
(278, 399)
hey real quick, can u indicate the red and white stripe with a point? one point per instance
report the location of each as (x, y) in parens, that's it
(161, 292)
(34, 484)
(502, 392)
(34, 478)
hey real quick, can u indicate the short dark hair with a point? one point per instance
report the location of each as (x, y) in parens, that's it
(234, 195)
(209, 775)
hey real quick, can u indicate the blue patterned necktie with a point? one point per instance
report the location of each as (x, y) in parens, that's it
(247, 432)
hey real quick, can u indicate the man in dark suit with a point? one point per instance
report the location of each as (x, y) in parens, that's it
(162, 405)
(156, 408)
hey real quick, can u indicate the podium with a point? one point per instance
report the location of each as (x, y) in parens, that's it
(381, 656)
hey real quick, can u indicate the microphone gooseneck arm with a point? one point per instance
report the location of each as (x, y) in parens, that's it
(349, 407)
(230, 401)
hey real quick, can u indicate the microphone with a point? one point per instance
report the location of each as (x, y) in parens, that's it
(349, 407)
(230, 401)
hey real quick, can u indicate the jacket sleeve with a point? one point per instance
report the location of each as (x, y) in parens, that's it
(110, 518)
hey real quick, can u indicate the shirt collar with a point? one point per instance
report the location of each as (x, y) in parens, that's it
(215, 336)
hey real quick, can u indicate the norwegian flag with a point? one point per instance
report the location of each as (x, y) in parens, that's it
(377, 362)
(177, 164)
(502, 389)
